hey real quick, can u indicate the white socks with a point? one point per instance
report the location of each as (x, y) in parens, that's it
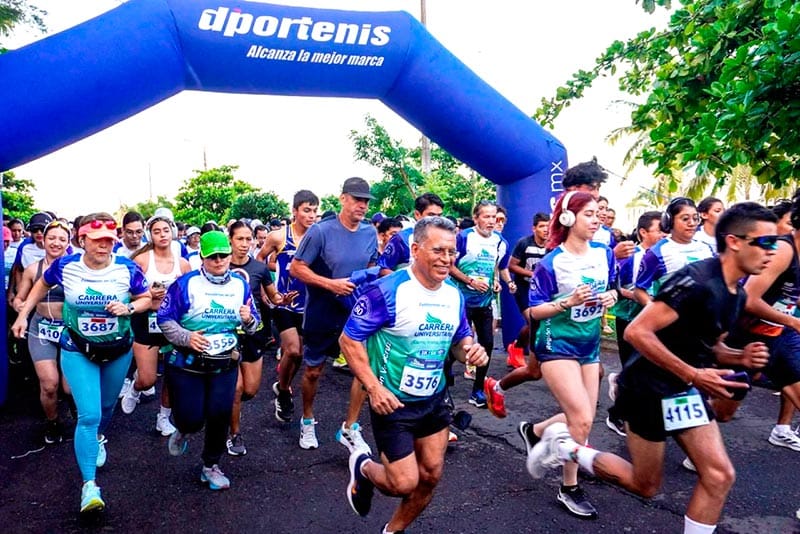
(498, 388)
(572, 452)
(166, 412)
(691, 526)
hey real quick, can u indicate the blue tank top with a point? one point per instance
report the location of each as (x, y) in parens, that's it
(285, 281)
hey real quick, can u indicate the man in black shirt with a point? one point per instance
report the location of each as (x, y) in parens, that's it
(664, 389)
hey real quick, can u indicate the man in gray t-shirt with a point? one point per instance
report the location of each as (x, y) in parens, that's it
(329, 253)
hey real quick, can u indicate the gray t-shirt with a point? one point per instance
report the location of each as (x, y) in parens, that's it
(333, 251)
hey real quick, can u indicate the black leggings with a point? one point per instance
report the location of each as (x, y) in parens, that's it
(482, 319)
(203, 399)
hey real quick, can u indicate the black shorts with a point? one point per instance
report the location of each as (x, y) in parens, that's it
(644, 416)
(252, 347)
(285, 319)
(395, 433)
(521, 297)
(783, 368)
(140, 324)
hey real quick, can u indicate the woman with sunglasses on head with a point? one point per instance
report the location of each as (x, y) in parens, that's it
(678, 249)
(200, 316)
(101, 292)
(569, 290)
(162, 264)
(45, 328)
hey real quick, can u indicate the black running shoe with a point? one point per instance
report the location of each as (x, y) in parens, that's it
(525, 430)
(360, 488)
(616, 424)
(284, 405)
(574, 500)
(53, 433)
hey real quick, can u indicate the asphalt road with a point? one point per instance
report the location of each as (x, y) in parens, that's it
(277, 487)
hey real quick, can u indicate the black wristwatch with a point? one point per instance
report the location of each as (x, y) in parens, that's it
(131, 308)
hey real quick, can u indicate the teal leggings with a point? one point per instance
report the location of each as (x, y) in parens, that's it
(95, 388)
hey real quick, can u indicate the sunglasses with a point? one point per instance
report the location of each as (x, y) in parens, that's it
(57, 224)
(97, 224)
(766, 242)
(217, 257)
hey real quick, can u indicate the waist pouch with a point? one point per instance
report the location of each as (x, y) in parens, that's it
(202, 363)
(94, 351)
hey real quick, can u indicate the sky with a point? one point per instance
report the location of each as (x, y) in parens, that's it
(524, 49)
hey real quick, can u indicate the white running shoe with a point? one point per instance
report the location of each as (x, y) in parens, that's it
(215, 478)
(308, 435)
(544, 454)
(688, 465)
(126, 385)
(789, 439)
(102, 454)
(164, 425)
(352, 438)
(130, 400)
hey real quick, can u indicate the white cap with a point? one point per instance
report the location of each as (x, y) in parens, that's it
(254, 223)
(164, 213)
(192, 230)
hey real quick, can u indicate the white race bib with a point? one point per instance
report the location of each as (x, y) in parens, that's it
(785, 307)
(582, 313)
(421, 377)
(684, 411)
(97, 326)
(152, 324)
(221, 343)
(50, 331)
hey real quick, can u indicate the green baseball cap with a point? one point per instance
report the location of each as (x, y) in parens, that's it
(214, 242)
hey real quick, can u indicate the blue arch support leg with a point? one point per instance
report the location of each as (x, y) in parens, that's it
(75, 83)
(4, 347)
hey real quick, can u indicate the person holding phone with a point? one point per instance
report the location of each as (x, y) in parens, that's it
(677, 367)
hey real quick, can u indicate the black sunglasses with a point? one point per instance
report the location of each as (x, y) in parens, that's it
(767, 242)
(217, 257)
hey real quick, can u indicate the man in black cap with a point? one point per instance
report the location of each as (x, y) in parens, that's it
(327, 256)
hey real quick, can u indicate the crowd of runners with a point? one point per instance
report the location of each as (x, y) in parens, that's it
(704, 301)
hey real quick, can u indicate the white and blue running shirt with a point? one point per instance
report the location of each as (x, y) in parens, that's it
(408, 331)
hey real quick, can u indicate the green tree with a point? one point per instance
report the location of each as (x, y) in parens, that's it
(329, 203)
(17, 196)
(19, 12)
(259, 205)
(720, 86)
(403, 179)
(209, 195)
(148, 207)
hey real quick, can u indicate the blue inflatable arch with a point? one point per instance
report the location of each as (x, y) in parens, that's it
(78, 82)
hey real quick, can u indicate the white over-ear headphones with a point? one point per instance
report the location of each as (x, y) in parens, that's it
(566, 218)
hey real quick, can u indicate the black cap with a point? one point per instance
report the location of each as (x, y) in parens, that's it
(39, 220)
(357, 187)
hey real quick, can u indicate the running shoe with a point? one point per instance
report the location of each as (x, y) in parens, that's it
(91, 501)
(178, 443)
(607, 330)
(164, 425)
(544, 454)
(478, 399)
(235, 445)
(469, 372)
(215, 478)
(340, 363)
(308, 434)
(688, 465)
(352, 438)
(616, 425)
(53, 432)
(788, 439)
(496, 402)
(525, 430)
(360, 488)
(574, 500)
(102, 454)
(126, 385)
(516, 356)
(613, 388)
(130, 400)
(284, 405)
(452, 437)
